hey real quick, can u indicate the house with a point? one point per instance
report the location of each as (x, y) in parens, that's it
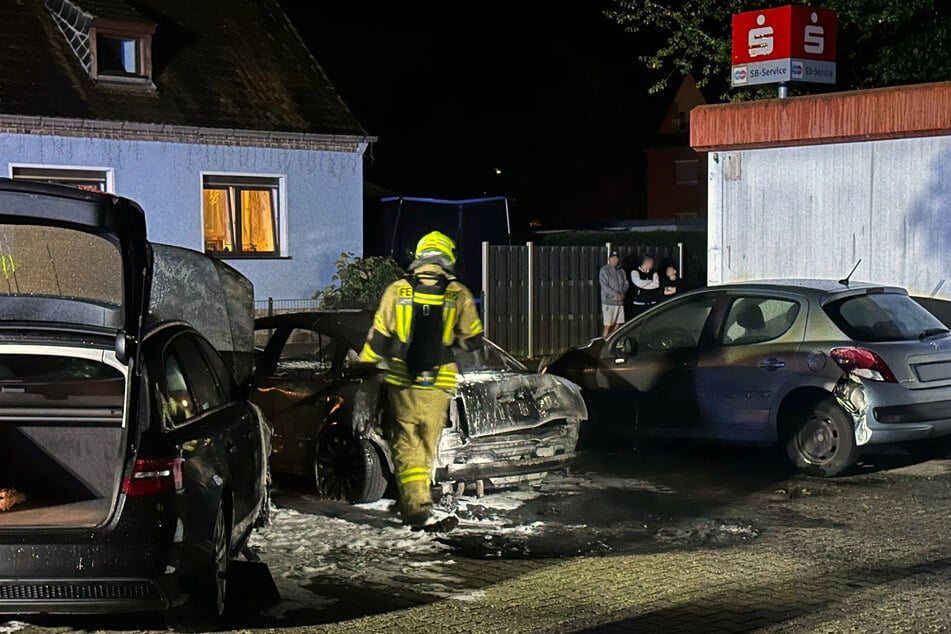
(212, 114)
(676, 187)
(809, 186)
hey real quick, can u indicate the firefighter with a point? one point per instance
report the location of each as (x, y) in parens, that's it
(421, 318)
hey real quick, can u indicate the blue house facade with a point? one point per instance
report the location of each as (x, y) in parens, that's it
(233, 143)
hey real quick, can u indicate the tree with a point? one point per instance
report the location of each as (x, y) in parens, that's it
(359, 282)
(881, 42)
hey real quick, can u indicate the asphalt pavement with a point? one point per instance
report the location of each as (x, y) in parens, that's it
(662, 538)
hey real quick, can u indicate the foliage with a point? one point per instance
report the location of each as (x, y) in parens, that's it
(359, 282)
(880, 42)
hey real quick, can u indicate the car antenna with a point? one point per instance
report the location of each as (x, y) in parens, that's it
(845, 281)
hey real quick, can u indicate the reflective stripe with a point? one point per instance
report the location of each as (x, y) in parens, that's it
(416, 478)
(414, 470)
(404, 320)
(427, 299)
(369, 354)
(476, 327)
(449, 323)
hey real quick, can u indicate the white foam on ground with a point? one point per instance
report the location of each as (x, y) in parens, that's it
(11, 626)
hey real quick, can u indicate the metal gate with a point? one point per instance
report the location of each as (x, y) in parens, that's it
(540, 300)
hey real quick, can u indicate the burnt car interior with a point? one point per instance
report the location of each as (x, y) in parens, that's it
(61, 439)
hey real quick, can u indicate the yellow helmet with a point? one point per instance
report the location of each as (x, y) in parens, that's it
(438, 242)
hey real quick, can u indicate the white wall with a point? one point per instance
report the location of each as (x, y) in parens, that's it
(814, 211)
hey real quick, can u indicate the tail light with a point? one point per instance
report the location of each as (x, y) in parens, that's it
(864, 364)
(151, 476)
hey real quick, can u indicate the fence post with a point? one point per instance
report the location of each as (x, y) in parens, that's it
(270, 306)
(531, 299)
(485, 287)
(680, 260)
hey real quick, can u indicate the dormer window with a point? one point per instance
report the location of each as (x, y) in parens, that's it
(121, 55)
(117, 56)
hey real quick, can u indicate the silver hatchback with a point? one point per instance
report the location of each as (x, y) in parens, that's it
(820, 367)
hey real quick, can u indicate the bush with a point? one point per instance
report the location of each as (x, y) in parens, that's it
(359, 282)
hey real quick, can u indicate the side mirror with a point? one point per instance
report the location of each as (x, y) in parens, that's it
(625, 347)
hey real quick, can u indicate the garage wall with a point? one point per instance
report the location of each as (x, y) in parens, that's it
(813, 211)
(324, 196)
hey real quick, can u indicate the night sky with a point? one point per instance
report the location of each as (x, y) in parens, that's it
(554, 98)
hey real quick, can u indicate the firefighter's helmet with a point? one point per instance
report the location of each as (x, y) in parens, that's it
(435, 244)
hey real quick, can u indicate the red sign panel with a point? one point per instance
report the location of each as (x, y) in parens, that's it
(790, 31)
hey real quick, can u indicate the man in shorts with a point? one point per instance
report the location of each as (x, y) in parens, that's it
(614, 286)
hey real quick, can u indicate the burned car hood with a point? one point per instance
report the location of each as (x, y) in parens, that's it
(497, 402)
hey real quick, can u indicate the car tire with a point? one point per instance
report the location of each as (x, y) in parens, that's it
(208, 604)
(822, 441)
(348, 468)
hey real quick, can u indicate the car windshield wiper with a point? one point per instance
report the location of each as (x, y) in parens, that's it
(932, 332)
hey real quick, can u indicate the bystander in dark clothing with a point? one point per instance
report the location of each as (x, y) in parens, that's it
(647, 285)
(671, 285)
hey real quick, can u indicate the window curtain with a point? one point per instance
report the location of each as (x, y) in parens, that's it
(219, 220)
(258, 221)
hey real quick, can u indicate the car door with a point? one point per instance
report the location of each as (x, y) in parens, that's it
(757, 352)
(298, 364)
(229, 421)
(648, 365)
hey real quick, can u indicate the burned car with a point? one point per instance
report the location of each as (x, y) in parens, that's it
(133, 466)
(822, 368)
(506, 424)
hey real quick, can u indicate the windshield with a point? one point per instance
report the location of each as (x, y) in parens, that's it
(490, 358)
(884, 317)
(57, 262)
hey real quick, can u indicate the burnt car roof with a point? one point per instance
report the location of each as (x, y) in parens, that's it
(350, 325)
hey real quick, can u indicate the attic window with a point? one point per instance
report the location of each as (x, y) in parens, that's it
(121, 55)
(117, 55)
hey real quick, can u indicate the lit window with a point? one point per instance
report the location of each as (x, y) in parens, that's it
(687, 172)
(96, 180)
(241, 216)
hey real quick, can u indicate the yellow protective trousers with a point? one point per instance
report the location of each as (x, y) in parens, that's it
(418, 416)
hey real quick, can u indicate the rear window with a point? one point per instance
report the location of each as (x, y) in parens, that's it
(58, 262)
(38, 380)
(883, 317)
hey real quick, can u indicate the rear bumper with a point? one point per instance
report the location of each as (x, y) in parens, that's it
(911, 421)
(80, 596)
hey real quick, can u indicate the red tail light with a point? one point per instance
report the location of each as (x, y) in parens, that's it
(864, 364)
(150, 476)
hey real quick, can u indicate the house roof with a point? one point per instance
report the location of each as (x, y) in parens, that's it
(111, 10)
(231, 64)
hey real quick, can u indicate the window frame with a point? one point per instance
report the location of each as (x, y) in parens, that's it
(732, 300)
(280, 231)
(140, 34)
(109, 173)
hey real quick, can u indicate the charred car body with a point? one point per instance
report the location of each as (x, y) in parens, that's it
(506, 424)
(142, 465)
(823, 368)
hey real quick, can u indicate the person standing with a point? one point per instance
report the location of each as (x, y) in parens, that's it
(647, 282)
(614, 286)
(671, 284)
(421, 318)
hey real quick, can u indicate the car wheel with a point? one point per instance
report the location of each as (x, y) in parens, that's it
(823, 441)
(221, 558)
(348, 468)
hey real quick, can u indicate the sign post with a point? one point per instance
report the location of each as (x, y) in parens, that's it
(782, 45)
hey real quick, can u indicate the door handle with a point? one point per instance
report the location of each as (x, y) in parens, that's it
(772, 363)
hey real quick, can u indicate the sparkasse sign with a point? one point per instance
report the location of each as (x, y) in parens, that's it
(786, 44)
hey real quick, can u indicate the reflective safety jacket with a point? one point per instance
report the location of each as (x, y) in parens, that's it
(420, 320)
